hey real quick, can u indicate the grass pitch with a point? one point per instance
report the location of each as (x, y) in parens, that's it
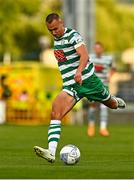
(105, 158)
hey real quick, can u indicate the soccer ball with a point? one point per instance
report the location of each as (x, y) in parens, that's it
(70, 154)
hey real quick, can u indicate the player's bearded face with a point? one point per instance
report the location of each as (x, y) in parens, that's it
(56, 28)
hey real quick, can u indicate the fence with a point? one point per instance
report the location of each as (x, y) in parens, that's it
(32, 115)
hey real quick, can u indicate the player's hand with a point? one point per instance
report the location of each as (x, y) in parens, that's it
(78, 77)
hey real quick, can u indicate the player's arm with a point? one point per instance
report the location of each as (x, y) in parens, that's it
(84, 58)
(78, 43)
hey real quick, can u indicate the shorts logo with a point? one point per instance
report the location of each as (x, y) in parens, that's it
(60, 56)
(104, 92)
(75, 94)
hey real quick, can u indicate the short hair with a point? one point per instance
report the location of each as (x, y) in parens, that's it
(99, 43)
(51, 17)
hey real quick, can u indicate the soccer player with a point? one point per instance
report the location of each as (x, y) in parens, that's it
(79, 81)
(104, 69)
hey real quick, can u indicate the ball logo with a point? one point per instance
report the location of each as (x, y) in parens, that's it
(73, 153)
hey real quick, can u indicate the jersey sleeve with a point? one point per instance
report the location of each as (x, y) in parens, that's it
(76, 40)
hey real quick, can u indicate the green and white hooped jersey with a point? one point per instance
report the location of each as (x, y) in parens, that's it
(68, 59)
(102, 65)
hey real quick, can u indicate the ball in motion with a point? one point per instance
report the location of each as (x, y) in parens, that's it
(70, 154)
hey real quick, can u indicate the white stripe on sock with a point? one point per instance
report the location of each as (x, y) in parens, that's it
(55, 122)
(53, 130)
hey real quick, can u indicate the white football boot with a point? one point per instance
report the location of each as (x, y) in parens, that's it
(121, 103)
(44, 153)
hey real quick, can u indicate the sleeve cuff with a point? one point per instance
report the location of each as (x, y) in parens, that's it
(78, 45)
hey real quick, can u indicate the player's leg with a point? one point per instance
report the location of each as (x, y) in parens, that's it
(91, 119)
(105, 97)
(61, 106)
(94, 90)
(114, 103)
(103, 120)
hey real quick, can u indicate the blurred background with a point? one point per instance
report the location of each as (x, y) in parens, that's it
(29, 77)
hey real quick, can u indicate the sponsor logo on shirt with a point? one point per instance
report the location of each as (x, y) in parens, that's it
(60, 56)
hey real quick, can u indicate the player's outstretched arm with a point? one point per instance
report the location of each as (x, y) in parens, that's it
(84, 58)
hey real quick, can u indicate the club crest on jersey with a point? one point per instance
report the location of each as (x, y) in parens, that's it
(63, 42)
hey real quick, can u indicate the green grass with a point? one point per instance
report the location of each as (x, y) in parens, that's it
(111, 157)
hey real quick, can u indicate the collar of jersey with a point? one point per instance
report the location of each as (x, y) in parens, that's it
(62, 35)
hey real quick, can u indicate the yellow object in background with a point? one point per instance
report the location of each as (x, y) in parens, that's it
(33, 87)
